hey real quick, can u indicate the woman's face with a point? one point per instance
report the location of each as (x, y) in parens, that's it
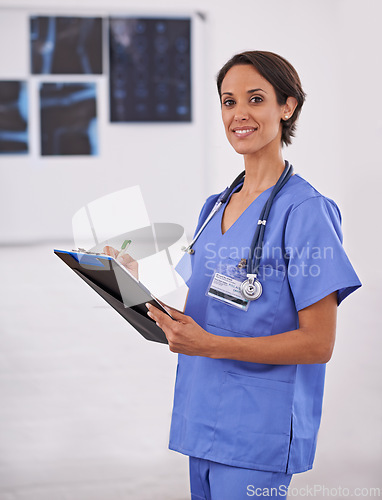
(250, 111)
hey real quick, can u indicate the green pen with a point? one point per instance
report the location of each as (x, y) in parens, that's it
(124, 247)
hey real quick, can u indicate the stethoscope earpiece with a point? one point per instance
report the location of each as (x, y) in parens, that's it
(188, 249)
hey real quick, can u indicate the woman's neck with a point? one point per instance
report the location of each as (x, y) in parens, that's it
(261, 172)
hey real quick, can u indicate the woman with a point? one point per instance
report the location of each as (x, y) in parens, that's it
(250, 376)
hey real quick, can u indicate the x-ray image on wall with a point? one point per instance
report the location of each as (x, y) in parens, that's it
(68, 119)
(13, 117)
(66, 45)
(150, 69)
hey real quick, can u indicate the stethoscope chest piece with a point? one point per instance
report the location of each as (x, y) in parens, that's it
(251, 288)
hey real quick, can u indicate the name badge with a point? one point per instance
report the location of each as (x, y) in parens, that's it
(227, 290)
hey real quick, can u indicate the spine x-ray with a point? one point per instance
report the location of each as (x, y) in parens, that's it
(150, 70)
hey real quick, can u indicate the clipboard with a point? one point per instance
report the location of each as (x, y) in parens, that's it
(117, 287)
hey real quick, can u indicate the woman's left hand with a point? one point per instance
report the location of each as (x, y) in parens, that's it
(184, 335)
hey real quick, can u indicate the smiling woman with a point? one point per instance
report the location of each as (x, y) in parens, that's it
(280, 75)
(251, 114)
(251, 369)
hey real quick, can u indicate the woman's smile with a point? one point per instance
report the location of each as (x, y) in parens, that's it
(250, 111)
(243, 132)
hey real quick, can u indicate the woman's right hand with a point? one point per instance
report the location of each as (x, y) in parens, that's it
(126, 260)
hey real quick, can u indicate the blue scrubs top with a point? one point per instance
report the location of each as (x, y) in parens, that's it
(252, 415)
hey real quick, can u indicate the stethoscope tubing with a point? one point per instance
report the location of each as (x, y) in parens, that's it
(256, 247)
(220, 201)
(255, 250)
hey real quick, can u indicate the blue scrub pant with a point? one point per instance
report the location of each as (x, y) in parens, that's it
(214, 481)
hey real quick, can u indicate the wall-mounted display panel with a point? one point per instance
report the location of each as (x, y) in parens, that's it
(68, 119)
(150, 69)
(13, 117)
(66, 45)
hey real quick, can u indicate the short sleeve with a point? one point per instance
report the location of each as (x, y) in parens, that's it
(317, 262)
(184, 266)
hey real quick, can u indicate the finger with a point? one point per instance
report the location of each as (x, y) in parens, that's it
(155, 313)
(168, 308)
(126, 259)
(176, 315)
(108, 250)
(162, 319)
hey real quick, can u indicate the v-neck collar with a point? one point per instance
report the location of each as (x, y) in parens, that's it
(242, 215)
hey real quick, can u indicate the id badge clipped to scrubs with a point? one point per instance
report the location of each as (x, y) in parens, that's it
(225, 286)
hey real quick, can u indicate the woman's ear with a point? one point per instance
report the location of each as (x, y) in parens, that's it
(289, 107)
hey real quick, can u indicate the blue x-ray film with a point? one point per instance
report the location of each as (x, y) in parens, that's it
(66, 45)
(150, 69)
(13, 117)
(68, 119)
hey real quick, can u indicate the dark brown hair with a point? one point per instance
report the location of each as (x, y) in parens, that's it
(280, 74)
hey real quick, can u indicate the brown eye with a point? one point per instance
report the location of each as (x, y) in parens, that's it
(256, 99)
(228, 102)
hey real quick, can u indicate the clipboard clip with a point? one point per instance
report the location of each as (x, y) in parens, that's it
(82, 250)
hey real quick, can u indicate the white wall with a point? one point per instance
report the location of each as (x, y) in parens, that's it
(335, 46)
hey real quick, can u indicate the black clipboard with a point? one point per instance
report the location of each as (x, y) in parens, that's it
(118, 288)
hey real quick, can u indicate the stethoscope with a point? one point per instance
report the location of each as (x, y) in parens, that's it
(251, 288)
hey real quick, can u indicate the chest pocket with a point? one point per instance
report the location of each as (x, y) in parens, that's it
(226, 320)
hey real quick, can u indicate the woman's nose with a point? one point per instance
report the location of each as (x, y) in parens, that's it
(241, 113)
